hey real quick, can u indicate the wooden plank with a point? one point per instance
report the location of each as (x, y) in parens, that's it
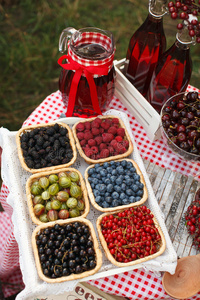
(174, 193)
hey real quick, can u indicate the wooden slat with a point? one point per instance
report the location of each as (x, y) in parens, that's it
(174, 193)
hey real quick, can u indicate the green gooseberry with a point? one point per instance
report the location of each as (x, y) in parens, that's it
(74, 176)
(62, 174)
(36, 189)
(74, 212)
(45, 195)
(43, 218)
(53, 178)
(39, 209)
(55, 204)
(64, 182)
(75, 191)
(63, 196)
(80, 204)
(48, 206)
(72, 202)
(38, 200)
(63, 206)
(63, 214)
(52, 215)
(44, 182)
(53, 189)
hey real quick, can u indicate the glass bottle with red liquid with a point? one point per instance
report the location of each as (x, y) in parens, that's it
(145, 47)
(87, 78)
(173, 71)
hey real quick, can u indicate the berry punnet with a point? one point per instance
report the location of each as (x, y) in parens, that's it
(129, 235)
(115, 183)
(102, 138)
(46, 146)
(66, 251)
(52, 196)
(192, 217)
(181, 121)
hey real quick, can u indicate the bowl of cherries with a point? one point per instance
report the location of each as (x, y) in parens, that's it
(180, 120)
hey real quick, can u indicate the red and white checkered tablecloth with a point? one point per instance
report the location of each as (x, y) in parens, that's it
(136, 284)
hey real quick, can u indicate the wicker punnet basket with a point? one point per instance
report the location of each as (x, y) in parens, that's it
(53, 167)
(94, 161)
(134, 262)
(98, 253)
(112, 209)
(36, 177)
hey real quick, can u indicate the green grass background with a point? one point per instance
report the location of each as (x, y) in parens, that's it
(29, 35)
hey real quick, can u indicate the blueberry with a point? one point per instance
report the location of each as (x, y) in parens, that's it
(115, 203)
(103, 172)
(108, 199)
(90, 179)
(135, 188)
(96, 166)
(109, 170)
(110, 188)
(124, 163)
(123, 187)
(129, 165)
(125, 201)
(95, 181)
(113, 178)
(140, 193)
(92, 185)
(90, 171)
(119, 180)
(107, 194)
(115, 195)
(114, 172)
(120, 170)
(136, 177)
(137, 198)
(129, 192)
(98, 199)
(132, 199)
(102, 188)
(141, 185)
(106, 165)
(104, 204)
(107, 181)
(96, 193)
(122, 196)
(133, 170)
(117, 188)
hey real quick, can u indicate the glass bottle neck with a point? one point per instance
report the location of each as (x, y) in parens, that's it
(181, 45)
(157, 8)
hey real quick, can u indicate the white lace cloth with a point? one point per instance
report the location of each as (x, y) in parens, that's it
(15, 177)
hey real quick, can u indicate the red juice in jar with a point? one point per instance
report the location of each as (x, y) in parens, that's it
(91, 54)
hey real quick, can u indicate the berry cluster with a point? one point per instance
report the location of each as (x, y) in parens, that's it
(57, 196)
(115, 183)
(131, 234)
(181, 121)
(102, 138)
(192, 217)
(66, 249)
(46, 146)
(181, 10)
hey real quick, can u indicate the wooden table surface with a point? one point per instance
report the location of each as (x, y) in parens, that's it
(174, 193)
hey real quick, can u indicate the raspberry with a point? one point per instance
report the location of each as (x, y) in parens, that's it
(88, 152)
(98, 139)
(113, 143)
(88, 135)
(102, 146)
(80, 135)
(112, 130)
(95, 124)
(105, 125)
(95, 131)
(83, 143)
(125, 143)
(104, 153)
(95, 149)
(93, 156)
(115, 121)
(121, 132)
(91, 142)
(118, 138)
(111, 150)
(120, 148)
(98, 120)
(101, 130)
(80, 127)
(87, 125)
(107, 137)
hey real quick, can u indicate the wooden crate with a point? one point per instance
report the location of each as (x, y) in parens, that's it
(136, 104)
